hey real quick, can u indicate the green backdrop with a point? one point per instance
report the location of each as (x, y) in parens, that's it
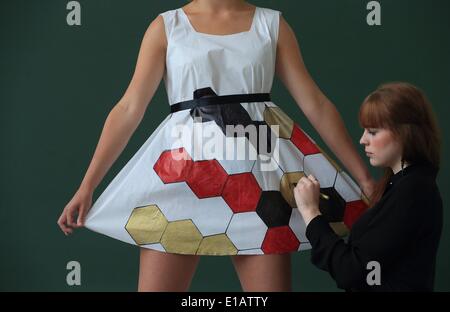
(59, 82)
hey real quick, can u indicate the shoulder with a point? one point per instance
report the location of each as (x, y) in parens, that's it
(276, 21)
(159, 28)
(165, 18)
(272, 17)
(269, 12)
(421, 179)
(168, 14)
(418, 192)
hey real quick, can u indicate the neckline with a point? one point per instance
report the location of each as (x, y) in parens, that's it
(215, 35)
(424, 167)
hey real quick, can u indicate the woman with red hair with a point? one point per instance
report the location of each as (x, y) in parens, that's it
(393, 245)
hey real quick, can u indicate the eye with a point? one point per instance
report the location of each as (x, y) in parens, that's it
(372, 131)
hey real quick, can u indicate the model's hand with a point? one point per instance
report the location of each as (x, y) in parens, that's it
(306, 193)
(78, 207)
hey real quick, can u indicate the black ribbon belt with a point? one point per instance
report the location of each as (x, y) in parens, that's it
(207, 96)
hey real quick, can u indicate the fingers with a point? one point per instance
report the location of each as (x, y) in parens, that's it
(81, 217)
(308, 179)
(69, 214)
(307, 182)
(62, 224)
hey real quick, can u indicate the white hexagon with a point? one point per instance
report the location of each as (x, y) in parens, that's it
(321, 169)
(156, 246)
(255, 110)
(267, 175)
(247, 230)
(210, 215)
(256, 251)
(304, 246)
(235, 154)
(289, 157)
(242, 155)
(347, 188)
(298, 226)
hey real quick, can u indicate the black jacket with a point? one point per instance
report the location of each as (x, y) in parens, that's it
(401, 232)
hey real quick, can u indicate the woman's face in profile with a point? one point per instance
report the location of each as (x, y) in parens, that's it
(381, 146)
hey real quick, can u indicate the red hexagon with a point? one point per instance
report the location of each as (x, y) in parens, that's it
(353, 210)
(241, 192)
(173, 166)
(303, 143)
(206, 178)
(280, 239)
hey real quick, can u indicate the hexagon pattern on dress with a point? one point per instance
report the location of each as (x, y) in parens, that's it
(181, 237)
(256, 208)
(348, 189)
(241, 192)
(290, 158)
(274, 116)
(298, 226)
(273, 209)
(280, 239)
(246, 230)
(267, 173)
(303, 142)
(321, 168)
(203, 203)
(141, 217)
(173, 165)
(207, 178)
(211, 245)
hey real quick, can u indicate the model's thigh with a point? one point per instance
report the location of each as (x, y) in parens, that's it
(264, 272)
(160, 271)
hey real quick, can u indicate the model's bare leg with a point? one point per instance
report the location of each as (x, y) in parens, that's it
(160, 271)
(264, 272)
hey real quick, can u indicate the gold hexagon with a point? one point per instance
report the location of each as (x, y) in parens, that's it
(339, 228)
(181, 237)
(276, 116)
(287, 184)
(217, 245)
(146, 225)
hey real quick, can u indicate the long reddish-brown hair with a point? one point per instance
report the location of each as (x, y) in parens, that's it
(405, 110)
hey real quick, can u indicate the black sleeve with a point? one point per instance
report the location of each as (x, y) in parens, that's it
(391, 230)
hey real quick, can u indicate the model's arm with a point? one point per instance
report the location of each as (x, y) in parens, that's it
(121, 122)
(322, 114)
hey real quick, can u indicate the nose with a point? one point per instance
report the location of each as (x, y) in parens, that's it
(363, 139)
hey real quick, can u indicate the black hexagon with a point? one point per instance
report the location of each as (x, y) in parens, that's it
(332, 209)
(273, 209)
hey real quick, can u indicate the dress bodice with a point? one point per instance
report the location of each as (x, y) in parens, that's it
(236, 63)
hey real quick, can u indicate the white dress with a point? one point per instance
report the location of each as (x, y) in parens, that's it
(181, 193)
